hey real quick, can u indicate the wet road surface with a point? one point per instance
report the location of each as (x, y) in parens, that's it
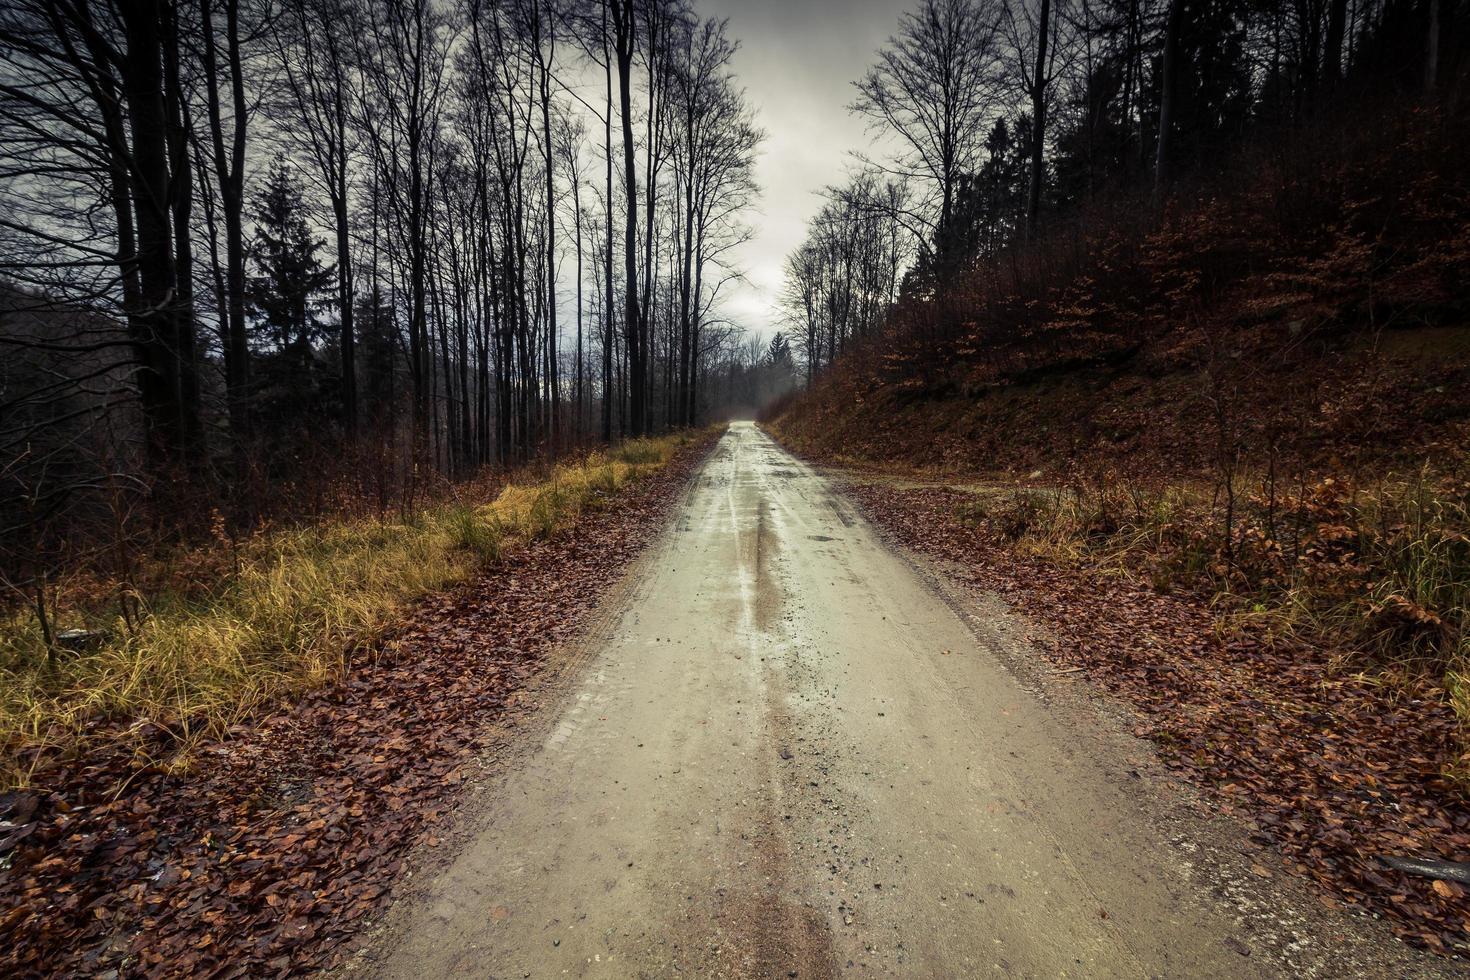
(786, 755)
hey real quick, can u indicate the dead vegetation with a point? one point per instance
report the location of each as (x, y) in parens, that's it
(272, 849)
(1257, 396)
(204, 638)
(1335, 770)
(1219, 454)
(1379, 573)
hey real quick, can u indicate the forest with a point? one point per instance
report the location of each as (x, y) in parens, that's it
(433, 239)
(392, 475)
(1018, 132)
(450, 237)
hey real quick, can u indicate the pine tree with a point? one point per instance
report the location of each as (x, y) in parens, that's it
(288, 291)
(779, 353)
(296, 385)
(378, 388)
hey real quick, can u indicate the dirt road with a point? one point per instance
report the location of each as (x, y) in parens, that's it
(788, 755)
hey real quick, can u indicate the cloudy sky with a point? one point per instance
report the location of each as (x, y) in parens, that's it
(797, 61)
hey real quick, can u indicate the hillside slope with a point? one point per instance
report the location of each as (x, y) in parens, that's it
(1359, 402)
(1221, 459)
(1305, 307)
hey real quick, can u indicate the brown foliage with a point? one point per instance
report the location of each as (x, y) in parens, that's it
(1296, 255)
(1334, 771)
(265, 859)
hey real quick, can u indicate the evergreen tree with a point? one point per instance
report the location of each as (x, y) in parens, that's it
(378, 385)
(778, 355)
(296, 383)
(288, 291)
(990, 204)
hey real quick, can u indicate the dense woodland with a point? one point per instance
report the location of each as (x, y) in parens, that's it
(247, 261)
(1024, 131)
(259, 256)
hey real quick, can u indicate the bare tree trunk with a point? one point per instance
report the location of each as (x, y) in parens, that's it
(692, 411)
(229, 170)
(686, 284)
(160, 382)
(346, 329)
(181, 205)
(607, 307)
(1038, 122)
(624, 20)
(1166, 99)
(652, 150)
(1336, 24)
(581, 388)
(552, 379)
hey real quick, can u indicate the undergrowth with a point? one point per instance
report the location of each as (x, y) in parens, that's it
(1380, 573)
(278, 613)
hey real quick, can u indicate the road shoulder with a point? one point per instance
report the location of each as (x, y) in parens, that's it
(1289, 922)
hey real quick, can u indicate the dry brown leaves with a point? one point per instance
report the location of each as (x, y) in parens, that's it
(1333, 771)
(265, 858)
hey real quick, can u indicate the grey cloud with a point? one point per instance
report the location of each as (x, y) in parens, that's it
(797, 61)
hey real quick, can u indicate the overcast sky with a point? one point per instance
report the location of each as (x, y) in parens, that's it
(797, 61)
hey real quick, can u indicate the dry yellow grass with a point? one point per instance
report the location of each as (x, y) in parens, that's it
(297, 604)
(1380, 571)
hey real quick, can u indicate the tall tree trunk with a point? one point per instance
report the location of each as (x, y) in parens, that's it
(229, 166)
(347, 334)
(1336, 26)
(651, 149)
(451, 405)
(686, 284)
(526, 384)
(580, 392)
(160, 382)
(1135, 67)
(607, 306)
(1166, 97)
(346, 330)
(181, 205)
(1038, 121)
(552, 381)
(696, 317)
(624, 20)
(418, 290)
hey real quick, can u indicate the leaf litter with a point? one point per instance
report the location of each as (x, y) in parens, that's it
(284, 836)
(1333, 772)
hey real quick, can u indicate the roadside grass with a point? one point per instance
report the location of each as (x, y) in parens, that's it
(282, 613)
(1378, 572)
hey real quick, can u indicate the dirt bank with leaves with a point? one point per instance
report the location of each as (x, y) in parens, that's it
(289, 831)
(1333, 769)
(1217, 447)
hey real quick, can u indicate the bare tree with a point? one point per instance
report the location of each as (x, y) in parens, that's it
(571, 138)
(936, 89)
(319, 80)
(228, 160)
(1036, 43)
(714, 144)
(1167, 94)
(93, 107)
(842, 280)
(625, 43)
(404, 47)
